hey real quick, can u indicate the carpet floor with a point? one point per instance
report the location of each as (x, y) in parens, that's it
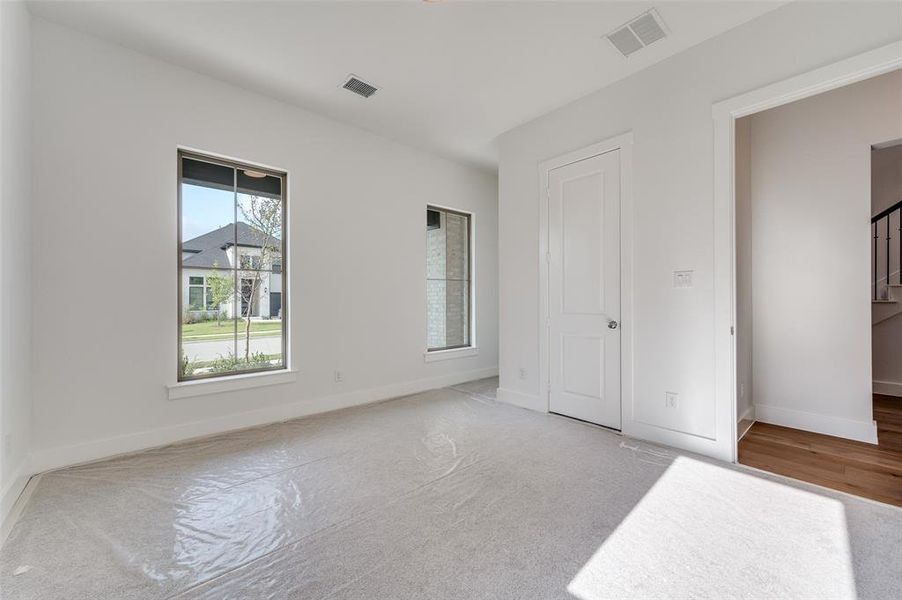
(440, 495)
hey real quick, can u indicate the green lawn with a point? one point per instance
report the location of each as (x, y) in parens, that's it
(211, 330)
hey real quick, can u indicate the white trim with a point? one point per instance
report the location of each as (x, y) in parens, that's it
(437, 355)
(231, 383)
(13, 498)
(839, 74)
(888, 388)
(748, 414)
(624, 143)
(530, 401)
(62, 456)
(862, 431)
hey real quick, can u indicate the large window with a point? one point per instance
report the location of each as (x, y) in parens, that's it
(448, 283)
(201, 295)
(232, 268)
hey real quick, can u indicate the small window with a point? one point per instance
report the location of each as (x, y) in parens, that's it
(448, 279)
(195, 298)
(231, 305)
(251, 262)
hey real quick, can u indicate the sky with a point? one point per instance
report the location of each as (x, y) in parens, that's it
(205, 209)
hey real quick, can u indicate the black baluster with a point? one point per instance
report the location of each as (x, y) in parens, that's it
(875, 261)
(887, 256)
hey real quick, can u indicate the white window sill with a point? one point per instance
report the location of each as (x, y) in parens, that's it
(202, 387)
(450, 354)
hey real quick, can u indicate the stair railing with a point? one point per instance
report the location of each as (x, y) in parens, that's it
(881, 221)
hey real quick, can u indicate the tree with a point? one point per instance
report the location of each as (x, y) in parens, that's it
(220, 289)
(264, 216)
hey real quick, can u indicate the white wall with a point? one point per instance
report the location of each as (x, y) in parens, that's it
(107, 123)
(886, 336)
(886, 190)
(886, 177)
(886, 342)
(15, 255)
(811, 210)
(744, 331)
(669, 109)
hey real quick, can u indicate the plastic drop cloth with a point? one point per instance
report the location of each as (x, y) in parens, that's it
(444, 494)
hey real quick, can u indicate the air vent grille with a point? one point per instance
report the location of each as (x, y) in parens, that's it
(625, 40)
(642, 31)
(359, 87)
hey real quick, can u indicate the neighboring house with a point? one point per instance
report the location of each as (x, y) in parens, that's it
(215, 252)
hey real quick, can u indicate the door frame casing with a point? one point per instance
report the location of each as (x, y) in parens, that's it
(623, 143)
(725, 113)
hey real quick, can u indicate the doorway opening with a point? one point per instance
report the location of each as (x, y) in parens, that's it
(817, 249)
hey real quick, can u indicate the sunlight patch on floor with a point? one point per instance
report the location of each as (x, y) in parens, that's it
(711, 530)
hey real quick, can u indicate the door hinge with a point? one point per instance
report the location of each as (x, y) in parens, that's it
(548, 257)
(732, 330)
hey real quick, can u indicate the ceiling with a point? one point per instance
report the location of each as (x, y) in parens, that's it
(453, 75)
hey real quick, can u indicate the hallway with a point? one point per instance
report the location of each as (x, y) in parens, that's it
(855, 467)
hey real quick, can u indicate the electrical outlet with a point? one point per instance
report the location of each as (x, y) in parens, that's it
(338, 376)
(671, 399)
(742, 390)
(522, 373)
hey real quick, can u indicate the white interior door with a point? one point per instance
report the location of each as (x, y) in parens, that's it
(584, 289)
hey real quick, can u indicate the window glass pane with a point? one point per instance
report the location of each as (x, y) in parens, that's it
(457, 318)
(457, 247)
(436, 321)
(435, 250)
(231, 223)
(447, 279)
(208, 343)
(260, 233)
(195, 298)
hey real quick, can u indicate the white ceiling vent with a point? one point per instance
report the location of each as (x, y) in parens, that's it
(359, 86)
(645, 29)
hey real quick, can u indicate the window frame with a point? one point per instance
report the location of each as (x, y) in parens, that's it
(203, 296)
(463, 349)
(237, 164)
(205, 293)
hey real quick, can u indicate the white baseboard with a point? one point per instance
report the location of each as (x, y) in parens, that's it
(863, 431)
(63, 456)
(11, 499)
(530, 401)
(748, 414)
(656, 434)
(889, 388)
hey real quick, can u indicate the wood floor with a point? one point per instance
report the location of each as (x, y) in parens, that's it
(858, 468)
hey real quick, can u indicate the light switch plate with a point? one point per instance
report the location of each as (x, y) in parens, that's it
(682, 279)
(671, 399)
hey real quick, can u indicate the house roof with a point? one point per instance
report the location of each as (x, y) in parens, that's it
(209, 250)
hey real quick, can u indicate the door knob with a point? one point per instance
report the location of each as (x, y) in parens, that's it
(612, 324)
